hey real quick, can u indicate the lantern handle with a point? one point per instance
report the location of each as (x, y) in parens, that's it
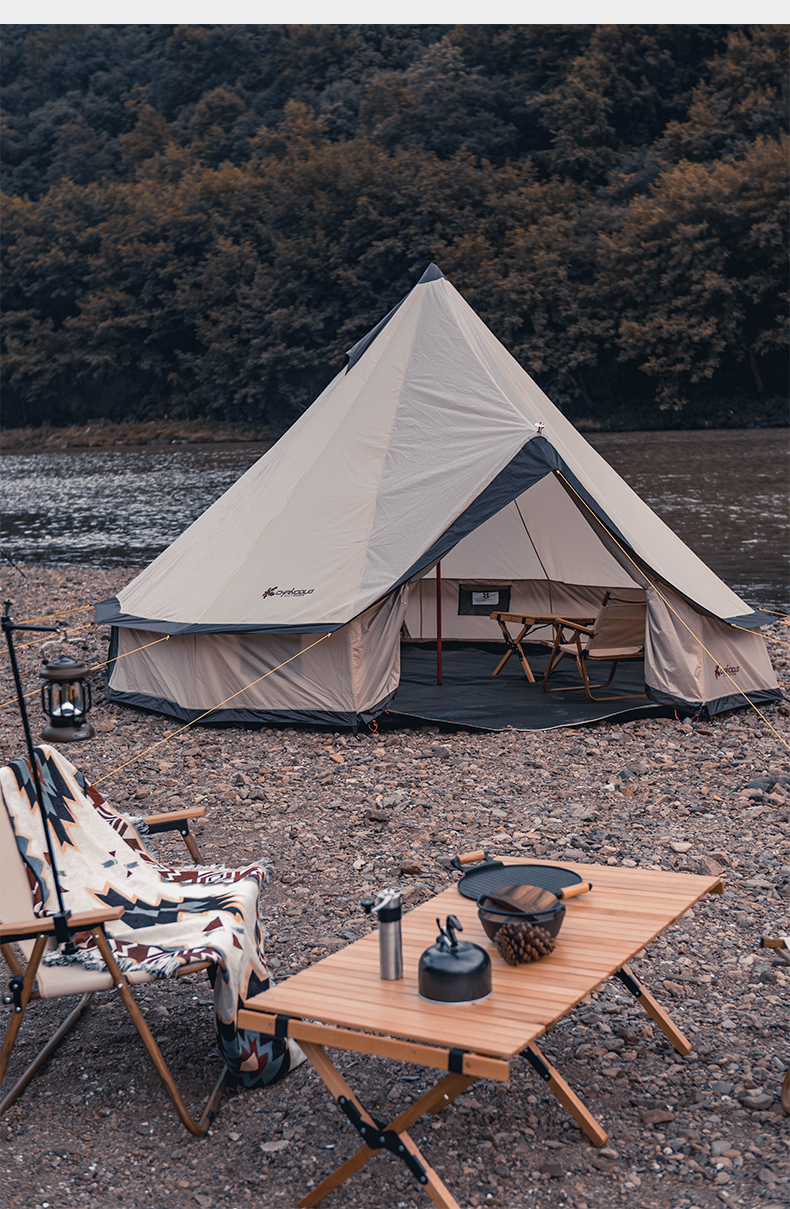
(60, 917)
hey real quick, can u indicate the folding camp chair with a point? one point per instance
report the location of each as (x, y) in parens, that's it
(618, 633)
(22, 933)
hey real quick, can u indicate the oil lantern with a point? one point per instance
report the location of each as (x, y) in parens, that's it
(66, 700)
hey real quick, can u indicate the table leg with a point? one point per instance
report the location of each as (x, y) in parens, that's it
(514, 644)
(434, 1100)
(392, 1137)
(654, 1010)
(508, 644)
(522, 656)
(566, 1096)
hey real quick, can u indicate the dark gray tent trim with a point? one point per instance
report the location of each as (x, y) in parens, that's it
(748, 621)
(355, 352)
(751, 621)
(720, 705)
(532, 463)
(108, 613)
(238, 717)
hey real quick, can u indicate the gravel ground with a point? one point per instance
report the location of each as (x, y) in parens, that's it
(338, 816)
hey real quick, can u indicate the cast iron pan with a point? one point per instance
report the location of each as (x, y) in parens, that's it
(494, 875)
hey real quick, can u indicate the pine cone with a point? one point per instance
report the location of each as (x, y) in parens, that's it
(522, 942)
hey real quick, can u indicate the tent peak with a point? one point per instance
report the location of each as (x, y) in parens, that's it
(432, 273)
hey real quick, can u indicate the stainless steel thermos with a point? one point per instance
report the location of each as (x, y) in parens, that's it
(389, 908)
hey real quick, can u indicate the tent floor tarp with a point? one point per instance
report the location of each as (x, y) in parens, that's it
(470, 695)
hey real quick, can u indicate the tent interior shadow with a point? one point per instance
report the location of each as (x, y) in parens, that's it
(471, 696)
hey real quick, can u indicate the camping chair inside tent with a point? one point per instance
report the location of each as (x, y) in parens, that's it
(21, 931)
(617, 633)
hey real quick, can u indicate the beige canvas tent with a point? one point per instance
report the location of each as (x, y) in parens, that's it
(286, 600)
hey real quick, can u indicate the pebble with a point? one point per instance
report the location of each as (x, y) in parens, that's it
(339, 816)
(756, 1100)
(657, 1116)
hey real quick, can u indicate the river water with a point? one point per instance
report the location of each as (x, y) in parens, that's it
(724, 493)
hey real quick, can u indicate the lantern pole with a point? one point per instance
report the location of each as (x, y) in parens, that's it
(60, 917)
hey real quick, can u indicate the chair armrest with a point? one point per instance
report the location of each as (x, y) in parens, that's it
(782, 946)
(169, 820)
(178, 820)
(23, 929)
(577, 626)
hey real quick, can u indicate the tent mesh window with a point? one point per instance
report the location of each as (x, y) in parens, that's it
(478, 600)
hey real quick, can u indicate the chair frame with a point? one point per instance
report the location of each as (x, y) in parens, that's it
(22, 990)
(583, 653)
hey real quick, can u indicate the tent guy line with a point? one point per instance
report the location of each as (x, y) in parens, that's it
(192, 721)
(93, 668)
(670, 606)
(696, 637)
(72, 629)
(65, 613)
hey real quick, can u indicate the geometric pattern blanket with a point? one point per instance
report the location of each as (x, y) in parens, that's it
(172, 916)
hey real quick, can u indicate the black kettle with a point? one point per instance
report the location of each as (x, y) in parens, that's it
(452, 970)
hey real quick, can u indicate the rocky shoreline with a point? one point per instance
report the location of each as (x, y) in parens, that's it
(103, 434)
(338, 816)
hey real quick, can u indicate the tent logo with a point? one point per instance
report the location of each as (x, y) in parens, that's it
(275, 591)
(725, 671)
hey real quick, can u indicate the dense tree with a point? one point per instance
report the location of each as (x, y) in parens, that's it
(440, 104)
(745, 96)
(200, 220)
(694, 265)
(618, 94)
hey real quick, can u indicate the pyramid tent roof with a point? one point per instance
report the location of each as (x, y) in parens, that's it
(430, 430)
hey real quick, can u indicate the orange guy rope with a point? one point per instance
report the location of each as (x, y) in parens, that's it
(674, 610)
(63, 638)
(213, 709)
(67, 613)
(94, 667)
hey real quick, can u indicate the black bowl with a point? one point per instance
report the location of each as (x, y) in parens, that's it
(492, 918)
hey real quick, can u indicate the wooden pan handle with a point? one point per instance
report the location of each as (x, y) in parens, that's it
(467, 857)
(572, 891)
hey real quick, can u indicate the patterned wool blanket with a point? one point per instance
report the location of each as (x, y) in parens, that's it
(172, 916)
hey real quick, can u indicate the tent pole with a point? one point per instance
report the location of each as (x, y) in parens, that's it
(439, 622)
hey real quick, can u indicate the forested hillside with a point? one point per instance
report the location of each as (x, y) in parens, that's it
(198, 221)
